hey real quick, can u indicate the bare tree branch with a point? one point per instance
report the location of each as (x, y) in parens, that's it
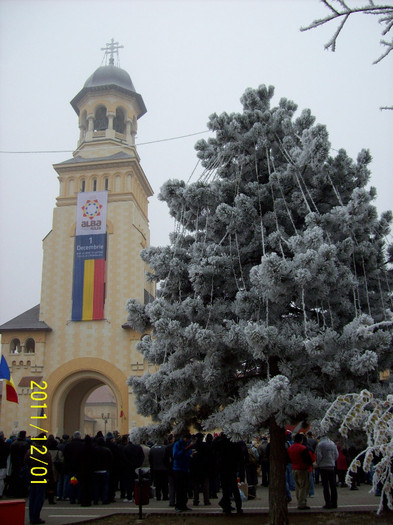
(390, 48)
(343, 12)
(332, 43)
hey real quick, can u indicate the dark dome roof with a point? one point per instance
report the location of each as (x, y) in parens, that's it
(105, 77)
(108, 76)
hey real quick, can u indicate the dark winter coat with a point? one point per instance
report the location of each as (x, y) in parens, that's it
(115, 449)
(157, 458)
(72, 456)
(229, 456)
(35, 459)
(199, 465)
(133, 456)
(4, 452)
(18, 451)
(86, 458)
(169, 457)
(102, 456)
(263, 451)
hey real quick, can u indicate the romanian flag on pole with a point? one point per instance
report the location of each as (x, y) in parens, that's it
(11, 393)
(88, 293)
(4, 369)
(10, 390)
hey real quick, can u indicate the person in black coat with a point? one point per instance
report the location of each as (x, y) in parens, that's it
(102, 463)
(51, 445)
(4, 452)
(18, 486)
(34, 457)
(159, 470)
(199, 469)
(214, 482)
(264, 460)
(133, 456)
(168, 459)
(72, 464)
(229, 462)
(116, 467)
(63, 478)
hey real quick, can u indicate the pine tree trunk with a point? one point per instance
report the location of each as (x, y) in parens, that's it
(278, 506)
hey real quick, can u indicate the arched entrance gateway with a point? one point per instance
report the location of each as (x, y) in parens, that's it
(78, 337)
(72, 386)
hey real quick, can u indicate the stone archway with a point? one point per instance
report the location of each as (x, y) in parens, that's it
(70, 386)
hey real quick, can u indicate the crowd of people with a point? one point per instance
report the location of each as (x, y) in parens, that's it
(94, 470)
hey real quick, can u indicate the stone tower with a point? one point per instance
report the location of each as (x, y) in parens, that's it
(75, 349)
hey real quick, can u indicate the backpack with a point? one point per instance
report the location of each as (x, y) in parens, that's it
(252, 460)
(58, 461)
(306, 458)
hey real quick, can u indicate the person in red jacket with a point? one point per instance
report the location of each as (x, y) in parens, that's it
(341, 465)
(300, 470)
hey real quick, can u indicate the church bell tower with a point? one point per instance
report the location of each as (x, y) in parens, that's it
(91, 265)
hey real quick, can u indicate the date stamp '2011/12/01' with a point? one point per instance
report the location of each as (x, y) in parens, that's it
(40, 470)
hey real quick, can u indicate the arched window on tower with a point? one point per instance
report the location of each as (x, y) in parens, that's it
(106, 183)
(100, 119)
(15, 347)
(119, 124)
(30, 346)
(94, 184)
(83, 185)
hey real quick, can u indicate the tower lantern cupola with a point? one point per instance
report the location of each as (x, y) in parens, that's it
(108, 108)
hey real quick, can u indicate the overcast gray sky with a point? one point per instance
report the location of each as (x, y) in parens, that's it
(187, 59)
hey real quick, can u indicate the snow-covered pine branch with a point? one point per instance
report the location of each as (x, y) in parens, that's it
(374, 416)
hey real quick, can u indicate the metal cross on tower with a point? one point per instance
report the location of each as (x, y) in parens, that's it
(110, 49)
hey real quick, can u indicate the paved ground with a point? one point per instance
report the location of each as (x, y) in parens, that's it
(63, 513)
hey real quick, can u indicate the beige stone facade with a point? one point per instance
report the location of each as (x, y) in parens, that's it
(75, 357)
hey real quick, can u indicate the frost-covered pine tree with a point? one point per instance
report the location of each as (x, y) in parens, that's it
(274, 291)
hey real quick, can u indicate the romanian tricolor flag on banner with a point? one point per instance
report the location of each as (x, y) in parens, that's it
(11, 394)
(88, 292)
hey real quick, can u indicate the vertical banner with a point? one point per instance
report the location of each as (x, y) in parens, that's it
(88, 292)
